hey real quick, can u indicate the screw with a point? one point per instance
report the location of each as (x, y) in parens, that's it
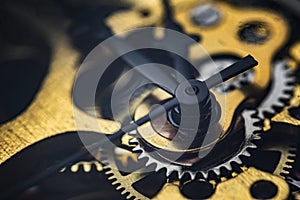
(206, 15)
(191, 90)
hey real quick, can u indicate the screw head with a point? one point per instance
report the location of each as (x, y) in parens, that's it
(205, 15)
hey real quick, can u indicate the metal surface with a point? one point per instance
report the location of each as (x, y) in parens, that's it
(214, 43)
(282, 84)
(250, 134)
(51, 111)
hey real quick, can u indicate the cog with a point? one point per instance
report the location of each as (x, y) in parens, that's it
(287, 158)
(250, 130)
(86, 166)
(281, 84)
(124, 182)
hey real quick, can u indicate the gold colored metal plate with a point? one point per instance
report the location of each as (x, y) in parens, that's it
(51, 111)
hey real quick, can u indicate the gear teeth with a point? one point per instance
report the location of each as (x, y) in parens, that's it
(136, 148)
(238, 160)
(123, 192)
(250, 116)
(256, 128)
(130, 196)
(217, 171)
(205, 174)
(255, 120)
(250, 113)
(141, 156)
(109, 172)
(115, 182)
(286, 171)
(290, 87)
(285, 96)
(148, 163)
(180, 174)
(168, 172)
(119, 187)
(256, 137)
(279, 104)
(251, 145)
(290, 160)
(132, 133)
(134, 140)
(283, 79)
(228, 167)
(192, 175)
(246, 153)
(158, 166)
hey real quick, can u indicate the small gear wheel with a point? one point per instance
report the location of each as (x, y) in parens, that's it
(249, 135)
(126, 181)
(282, 84)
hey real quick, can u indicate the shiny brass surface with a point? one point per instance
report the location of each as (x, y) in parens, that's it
(213, 40)
(284, 115)
(51, 112)
(215, 44)
(240, 185)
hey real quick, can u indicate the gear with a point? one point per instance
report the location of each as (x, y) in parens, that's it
(286, 159)
(118, 179)
(125, 183)
(250, 135)
(86, 166)
(281, 84)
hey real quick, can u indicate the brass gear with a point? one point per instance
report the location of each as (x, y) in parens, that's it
(125, 182)
(250, 134)
(287, 158)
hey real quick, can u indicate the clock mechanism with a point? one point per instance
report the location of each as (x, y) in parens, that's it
(150, 99)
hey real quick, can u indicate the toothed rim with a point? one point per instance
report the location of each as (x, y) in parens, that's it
(250, 135)
(108, 169)
(283, 80)
(290, 159)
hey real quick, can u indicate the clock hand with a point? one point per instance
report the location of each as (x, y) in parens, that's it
(233, 70)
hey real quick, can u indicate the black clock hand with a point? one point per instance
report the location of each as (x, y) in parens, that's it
(233, 70)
